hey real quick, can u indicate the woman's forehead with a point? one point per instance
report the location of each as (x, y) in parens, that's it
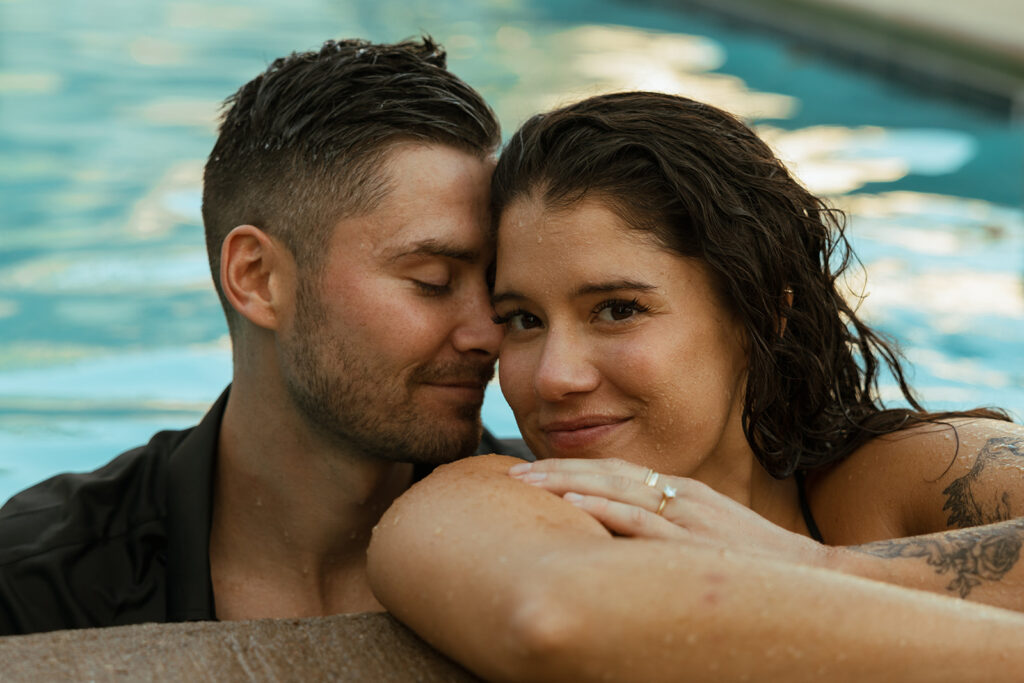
(586, 220)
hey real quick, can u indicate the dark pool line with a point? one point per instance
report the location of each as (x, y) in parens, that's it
(928, 63)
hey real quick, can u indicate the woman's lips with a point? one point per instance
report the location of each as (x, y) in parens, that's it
(580, 433)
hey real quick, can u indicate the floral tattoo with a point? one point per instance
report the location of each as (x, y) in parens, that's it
(970, 555)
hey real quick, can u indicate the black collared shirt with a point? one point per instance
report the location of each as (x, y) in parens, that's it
(125, 544)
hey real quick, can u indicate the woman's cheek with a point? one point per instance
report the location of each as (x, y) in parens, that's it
(515, 375)
(633, 365)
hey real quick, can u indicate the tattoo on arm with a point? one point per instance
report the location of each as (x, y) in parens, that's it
(969, 555)
(988, 543)
(967, 507)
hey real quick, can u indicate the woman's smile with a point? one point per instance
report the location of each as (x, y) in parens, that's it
(566, 437)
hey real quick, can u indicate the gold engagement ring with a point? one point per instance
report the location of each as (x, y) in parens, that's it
(667, 494)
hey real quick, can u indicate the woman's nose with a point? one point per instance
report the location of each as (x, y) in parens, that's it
(564, 368)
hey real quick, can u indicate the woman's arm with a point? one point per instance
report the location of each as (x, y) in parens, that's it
(928, 508)
(518, 584)
(956, 494)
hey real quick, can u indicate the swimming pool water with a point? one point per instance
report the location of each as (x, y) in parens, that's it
(109, 327)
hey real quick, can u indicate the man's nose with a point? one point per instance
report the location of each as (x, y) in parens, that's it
(476, 331)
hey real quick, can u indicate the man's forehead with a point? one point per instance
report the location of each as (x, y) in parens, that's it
(436, 204)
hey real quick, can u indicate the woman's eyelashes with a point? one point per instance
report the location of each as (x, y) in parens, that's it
(617, 310)
(614, 311)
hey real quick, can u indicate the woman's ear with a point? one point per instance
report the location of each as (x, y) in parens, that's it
(256, 272)
(787, 293)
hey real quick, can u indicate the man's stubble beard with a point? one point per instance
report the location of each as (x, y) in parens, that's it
(363, 406)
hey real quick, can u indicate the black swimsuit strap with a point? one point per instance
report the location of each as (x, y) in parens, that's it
(805, 506)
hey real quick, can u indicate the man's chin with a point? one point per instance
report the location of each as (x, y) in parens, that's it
(439, 439)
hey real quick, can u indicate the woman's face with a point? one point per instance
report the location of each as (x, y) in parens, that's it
(615, 346)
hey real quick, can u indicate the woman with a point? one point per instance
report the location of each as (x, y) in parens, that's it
(670, 296)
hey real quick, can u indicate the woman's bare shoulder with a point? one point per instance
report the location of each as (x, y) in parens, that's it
(922, 479)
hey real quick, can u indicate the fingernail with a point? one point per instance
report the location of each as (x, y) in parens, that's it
(521, 468)
(573, 498)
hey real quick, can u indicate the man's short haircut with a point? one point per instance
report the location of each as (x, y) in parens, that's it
(303, 144)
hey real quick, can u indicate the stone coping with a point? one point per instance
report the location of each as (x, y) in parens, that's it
(352, 647)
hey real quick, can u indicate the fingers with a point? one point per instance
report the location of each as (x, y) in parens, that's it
(625, 519)
(611, 466)
(617, 487)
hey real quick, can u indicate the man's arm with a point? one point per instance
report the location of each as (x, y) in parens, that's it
(518, 584)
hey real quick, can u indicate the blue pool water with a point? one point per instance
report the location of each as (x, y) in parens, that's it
(109, 328)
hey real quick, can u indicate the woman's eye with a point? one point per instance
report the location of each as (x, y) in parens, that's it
(618, 310)
(517, 321)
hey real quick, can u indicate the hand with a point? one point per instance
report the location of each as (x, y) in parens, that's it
(615, 493)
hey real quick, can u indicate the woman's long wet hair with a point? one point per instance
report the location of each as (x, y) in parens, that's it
(707, 187)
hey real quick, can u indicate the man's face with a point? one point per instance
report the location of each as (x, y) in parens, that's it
(391, 348)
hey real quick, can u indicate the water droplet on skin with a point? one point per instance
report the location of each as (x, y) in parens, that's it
(438, 531)
(396, 520)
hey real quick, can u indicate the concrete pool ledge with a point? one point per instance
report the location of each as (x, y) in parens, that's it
(973, 52)
(353, 647)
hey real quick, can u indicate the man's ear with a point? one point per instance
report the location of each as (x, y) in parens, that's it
(257, 275)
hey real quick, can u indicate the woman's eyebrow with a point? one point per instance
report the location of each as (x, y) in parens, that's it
(505, 296)
(583, 290)
(612, 286)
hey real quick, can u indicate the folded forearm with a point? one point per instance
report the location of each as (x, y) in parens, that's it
(648, 611)
(517, 584)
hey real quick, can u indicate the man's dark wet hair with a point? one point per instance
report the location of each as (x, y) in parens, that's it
(303, 144)
(707, 187)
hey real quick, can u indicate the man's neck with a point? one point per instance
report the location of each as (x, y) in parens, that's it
(292, 514)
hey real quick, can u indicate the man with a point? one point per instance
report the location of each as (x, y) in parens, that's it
(345, 205)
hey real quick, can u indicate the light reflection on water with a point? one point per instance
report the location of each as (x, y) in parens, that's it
(109, 328)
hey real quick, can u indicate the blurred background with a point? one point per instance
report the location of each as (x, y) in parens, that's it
(109, 326)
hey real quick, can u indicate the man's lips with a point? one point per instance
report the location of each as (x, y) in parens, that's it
(581, 432)
(468, 390)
